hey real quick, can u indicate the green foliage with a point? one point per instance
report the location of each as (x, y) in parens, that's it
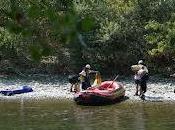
(109, 34)
(87, 24)
(8, 45)
(36, 52)
(161, 36)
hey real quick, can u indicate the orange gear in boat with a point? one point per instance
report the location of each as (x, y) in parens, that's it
(98, 80)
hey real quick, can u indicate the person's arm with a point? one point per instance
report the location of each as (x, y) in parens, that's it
(82, 74)
(146, 69)
(93, 71)
(172, 75)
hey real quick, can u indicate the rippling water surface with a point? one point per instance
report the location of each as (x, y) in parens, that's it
(66, 115)
(51, 107)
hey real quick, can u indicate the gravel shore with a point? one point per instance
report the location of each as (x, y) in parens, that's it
(49, 87)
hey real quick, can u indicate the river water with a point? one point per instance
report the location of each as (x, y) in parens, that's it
(51, 107)
(66, 115)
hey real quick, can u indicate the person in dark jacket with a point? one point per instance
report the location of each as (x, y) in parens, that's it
(144, 76)
(74, 81)
(85, 77)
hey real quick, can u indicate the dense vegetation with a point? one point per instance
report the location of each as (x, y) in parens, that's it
(58, 36)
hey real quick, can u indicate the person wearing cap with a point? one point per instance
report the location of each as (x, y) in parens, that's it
(85, 77)
(141, 72)
(140, 62)
(144, 76)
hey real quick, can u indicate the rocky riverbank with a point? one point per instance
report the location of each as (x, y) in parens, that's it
(57, 87)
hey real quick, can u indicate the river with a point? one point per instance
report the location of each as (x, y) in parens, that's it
(66, 115)
(51, 107)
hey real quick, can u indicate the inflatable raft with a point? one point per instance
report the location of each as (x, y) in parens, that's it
(23, 89)
(108, 92)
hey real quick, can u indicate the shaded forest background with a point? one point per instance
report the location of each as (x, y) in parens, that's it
(61, 36)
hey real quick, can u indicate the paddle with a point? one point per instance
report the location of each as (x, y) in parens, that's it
(113, 81)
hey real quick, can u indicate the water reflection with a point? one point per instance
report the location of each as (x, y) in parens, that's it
(65, 115)
(22, 116)
(126, 116)
(139, 118)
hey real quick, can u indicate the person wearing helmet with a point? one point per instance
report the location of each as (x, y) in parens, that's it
(85, 77)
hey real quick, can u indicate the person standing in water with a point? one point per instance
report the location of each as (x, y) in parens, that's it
(85, 77)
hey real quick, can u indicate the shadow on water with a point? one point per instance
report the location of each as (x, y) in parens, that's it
(105, 103)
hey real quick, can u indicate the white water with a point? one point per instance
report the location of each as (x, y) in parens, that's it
(48, 87)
